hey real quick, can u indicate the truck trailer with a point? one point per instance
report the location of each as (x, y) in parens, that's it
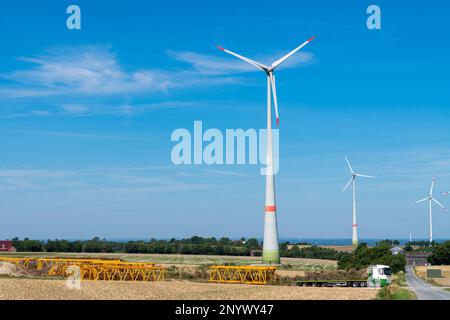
(378, 276)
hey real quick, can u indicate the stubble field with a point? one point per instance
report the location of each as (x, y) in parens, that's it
(37, 289)
(421, 271)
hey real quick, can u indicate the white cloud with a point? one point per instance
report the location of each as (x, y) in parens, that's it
(88, 70)
(82, 74)
(94, 179)
(87, 108)
(68, 134)
(216, 65)
(95, 70)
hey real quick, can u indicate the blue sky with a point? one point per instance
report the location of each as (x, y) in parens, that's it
(86, 117)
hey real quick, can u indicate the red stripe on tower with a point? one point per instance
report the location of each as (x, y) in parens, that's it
(270, 209)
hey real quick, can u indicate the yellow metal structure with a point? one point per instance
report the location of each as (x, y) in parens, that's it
(21, 262)
(122, 272)
(241, 274)
(93, 269)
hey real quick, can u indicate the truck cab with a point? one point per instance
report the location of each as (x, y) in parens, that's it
(379, 275)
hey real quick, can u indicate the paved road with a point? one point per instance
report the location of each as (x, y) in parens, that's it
(423, 290)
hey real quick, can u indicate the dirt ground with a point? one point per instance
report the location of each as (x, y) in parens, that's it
(421, 271)
(36, 289)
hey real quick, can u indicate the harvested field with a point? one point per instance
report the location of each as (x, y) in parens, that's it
(290, 273)
(421, 271)
(93, 290)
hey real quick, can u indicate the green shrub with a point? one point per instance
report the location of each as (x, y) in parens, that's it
(312, 252)
(363, 256)
(394, 292)
(440, 254)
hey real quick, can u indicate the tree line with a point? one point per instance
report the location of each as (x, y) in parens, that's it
(310, 252)
(360, 258)
(193, 245)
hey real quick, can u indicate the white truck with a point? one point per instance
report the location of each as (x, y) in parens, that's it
(378, 276)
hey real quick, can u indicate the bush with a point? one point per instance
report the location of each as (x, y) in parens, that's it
(440, 254)
(408, 248)
(400, 279)
(363, 256)
(312, 252)
(394, 292)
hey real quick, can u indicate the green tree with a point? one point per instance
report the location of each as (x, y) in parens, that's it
(408, 248)
(363, 256)
(440, 254)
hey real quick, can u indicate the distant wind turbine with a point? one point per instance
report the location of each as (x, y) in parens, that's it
(352, 181)
(271, 253)
(431, 199)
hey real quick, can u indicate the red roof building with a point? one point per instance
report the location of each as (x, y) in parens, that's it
(7, 246)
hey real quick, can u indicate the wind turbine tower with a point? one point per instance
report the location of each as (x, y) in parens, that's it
(352, 181)
(271, 253)
(431, 199)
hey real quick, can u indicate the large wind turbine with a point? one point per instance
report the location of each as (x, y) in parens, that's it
(352, 181)
(431, 199)
(271, 254)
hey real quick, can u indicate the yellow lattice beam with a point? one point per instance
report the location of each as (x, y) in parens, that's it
(94, 269)
(122, 272)
(241, 274)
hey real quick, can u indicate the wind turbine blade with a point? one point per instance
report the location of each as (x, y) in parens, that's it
(432, 186)
(282, 59)
(258, 65)
(364, 176)
(438, 203)
(351, 170)
(425, 199)
(274, 92)
(348, 183)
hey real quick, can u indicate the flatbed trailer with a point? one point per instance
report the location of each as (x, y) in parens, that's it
(359, 283)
